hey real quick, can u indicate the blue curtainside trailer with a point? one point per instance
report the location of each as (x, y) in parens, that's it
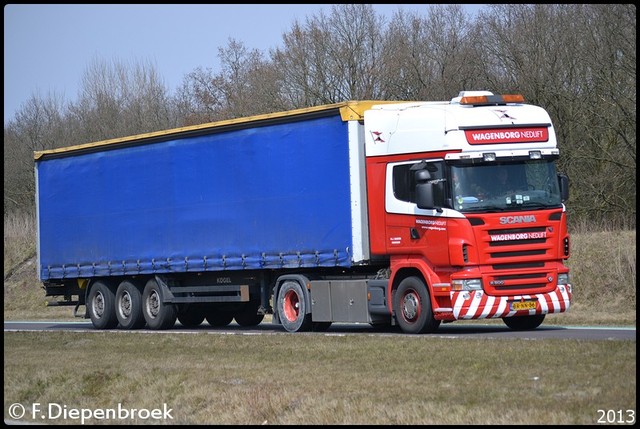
(205, 221)
(250, 198)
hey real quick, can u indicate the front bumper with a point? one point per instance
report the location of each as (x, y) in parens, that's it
(478, 305)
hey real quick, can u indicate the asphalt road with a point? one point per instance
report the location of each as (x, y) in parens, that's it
(453, 330)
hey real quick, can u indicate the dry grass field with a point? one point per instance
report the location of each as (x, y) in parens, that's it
(292, 379)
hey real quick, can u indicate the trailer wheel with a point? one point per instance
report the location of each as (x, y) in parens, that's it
(129, 305)
(191, 317)
(413, 307)
(219, 318)
(101, 306)
(158, 314)
(292, 308)
(248, 314)
(524, 323)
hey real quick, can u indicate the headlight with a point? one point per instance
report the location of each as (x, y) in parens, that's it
(563, 279)
(466, 284)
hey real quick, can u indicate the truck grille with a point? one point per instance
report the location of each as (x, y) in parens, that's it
(522, 260)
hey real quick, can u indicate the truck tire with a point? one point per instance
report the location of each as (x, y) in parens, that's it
(159, 315)
(412, 307)
(129, 305)
(101, 305)
(219, 318)
(248, 314)
(524, 323)
(191, 317)
(383, 325)
(292, 307)
(320, 326)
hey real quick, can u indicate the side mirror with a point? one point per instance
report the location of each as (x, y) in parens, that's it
(427, 192)
(563, 182)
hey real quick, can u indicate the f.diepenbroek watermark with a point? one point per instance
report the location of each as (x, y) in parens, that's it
(60, 412)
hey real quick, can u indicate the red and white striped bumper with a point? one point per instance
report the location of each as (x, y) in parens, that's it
(479, 305)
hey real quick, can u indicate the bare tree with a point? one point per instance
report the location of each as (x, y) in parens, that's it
(332, 58)
(199, 99)
(247, 81)
(578, 61)
(246, 85)
(610, 105)
(119, 99)
(37, 126)
(430, 57)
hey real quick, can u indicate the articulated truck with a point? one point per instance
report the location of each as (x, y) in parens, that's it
(385, 213)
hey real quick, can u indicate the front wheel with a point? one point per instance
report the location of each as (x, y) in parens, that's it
(524, 323)
(413, 307)
(159, 315)
(292, 308)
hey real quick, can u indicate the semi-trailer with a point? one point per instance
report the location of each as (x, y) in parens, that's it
(379, 212)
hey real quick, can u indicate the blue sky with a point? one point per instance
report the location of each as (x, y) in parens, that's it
(47, 48)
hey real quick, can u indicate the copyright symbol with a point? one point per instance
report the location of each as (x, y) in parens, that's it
(16, 411)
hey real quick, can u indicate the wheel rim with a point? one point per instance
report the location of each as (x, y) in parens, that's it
(291, 306)
(153, 304)
(410, 306)
(98, 305)
(124, 305)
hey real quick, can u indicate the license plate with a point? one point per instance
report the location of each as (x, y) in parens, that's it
(523, 305)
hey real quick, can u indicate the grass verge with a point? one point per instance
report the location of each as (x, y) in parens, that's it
(296, 379)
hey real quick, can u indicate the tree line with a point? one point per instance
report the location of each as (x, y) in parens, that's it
(578, 61)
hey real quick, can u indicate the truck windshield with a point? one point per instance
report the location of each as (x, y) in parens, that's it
(505, 186)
